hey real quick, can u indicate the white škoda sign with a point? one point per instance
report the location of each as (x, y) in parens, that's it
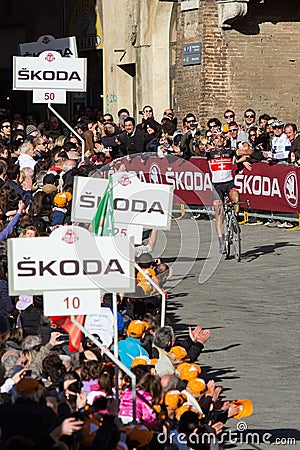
(49, 71)
(65, 46)
(135, 202)
(71, 258)
(85, 215)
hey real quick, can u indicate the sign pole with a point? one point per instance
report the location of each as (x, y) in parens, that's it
(70, 128)
(115, 360)
(115, 311)
(116, 342)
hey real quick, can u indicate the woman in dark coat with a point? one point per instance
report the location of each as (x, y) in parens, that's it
(152, 133)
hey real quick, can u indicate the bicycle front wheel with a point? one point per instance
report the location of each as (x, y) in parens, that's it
(236, 238)
(227, 236)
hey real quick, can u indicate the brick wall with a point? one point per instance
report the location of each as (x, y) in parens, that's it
(254, 65)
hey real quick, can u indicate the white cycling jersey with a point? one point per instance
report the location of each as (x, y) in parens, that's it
(220, 164)
(281, 147)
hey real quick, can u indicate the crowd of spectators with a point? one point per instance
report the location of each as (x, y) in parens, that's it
(107, 139)
(52, 398)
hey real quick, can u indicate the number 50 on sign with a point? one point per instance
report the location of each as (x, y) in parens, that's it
(49, 96)
(65, 303)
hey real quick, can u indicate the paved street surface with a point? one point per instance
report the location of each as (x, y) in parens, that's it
(252, 310)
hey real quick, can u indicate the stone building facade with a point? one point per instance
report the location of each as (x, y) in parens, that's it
(252, 62)
(250, 53)
(136, 55)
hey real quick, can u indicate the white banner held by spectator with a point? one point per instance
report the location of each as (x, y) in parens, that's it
(101, 324)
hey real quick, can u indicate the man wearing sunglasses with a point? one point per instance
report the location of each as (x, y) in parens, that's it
(146, 113)
(220, 159)
(41, 147)
(191, 135)
(5, 131)
(236, 135)
(281, 144)
(249, 119)
(229, 116)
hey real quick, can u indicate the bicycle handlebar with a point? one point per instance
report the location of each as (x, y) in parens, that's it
(246, 202)
(230, 204)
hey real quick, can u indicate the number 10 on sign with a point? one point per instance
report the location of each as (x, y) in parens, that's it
(66, 303)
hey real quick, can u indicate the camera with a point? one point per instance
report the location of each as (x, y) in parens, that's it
(65, 338)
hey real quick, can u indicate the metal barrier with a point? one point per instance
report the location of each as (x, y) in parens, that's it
(246, 215)
(182, 211)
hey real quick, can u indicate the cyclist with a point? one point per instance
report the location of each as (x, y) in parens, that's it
(220, 160)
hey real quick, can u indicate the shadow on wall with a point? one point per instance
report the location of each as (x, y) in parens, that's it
(273, 11)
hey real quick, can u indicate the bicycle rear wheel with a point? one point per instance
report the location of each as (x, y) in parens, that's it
(236, 238)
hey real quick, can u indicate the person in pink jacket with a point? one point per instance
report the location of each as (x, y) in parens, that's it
(148, 394)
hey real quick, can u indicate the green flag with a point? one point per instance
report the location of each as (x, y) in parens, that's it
(103, 222)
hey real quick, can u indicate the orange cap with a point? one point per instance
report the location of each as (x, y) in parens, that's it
(181, 366)
(62, 199)
(136, 328)
(190, 372)
(140, 361)
(153, 361)
(177, 353)
(173, 399)
(196, 386)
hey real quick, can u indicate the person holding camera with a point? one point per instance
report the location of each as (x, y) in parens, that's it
(165, 141)
(146, 113)
(111, 139)
(191, 137)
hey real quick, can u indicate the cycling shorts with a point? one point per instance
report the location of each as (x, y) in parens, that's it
(221, 189)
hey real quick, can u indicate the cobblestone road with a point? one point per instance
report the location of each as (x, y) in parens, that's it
(252, 310)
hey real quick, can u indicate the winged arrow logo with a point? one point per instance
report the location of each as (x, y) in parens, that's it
(291, 189)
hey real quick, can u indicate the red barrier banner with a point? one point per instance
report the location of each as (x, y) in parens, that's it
(269, 188)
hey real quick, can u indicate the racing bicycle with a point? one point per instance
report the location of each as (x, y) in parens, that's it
(232, 231)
